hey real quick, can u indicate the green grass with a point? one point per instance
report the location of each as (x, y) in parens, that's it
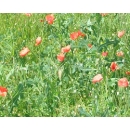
(34, 88)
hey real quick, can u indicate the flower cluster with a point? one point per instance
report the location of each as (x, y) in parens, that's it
(64, 50)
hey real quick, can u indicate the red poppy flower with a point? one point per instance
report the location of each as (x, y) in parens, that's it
(103, 14)
(121, 33)
(65, 49)
(50, 18)
(3, 91)
(90, 45)
(97, 78)
(74, 35)
(28, 14)
(104, 54)
(24, 52)
(123, 82)
(81, 34)
(114, 66)
(60, 57)
(120, 54)
(38, 41)
(127, 72)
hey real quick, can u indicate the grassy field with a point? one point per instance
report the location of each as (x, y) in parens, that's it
(38, 84)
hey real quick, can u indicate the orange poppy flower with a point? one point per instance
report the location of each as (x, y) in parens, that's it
(60, 57)
(3, 91)
(120, 54)
(97, 78)
(90, 45)
(104, 54)
(114, 66)
(65, 49)
(74, 35)
(50, 18)
(38, 41)
(121, 33)
(103, 14)
(123, 82)
(127, 72)
(24, 52)
(28, 14)
(81, 34)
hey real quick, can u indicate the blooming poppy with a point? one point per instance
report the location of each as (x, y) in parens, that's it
(121, 33)
(24, 52)
(81, 34)
(114, 66)
(60, 57)
(28, 14)
(123, 82)
(127, 72)
(120, 54)
(38, 41)
(104, 54)
(50, 18)
(74, 35)
(65, 49)
(3, 91)
(90, 45)
(97, 78)
(103, 14)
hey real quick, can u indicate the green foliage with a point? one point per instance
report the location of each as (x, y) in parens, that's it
(34, 87)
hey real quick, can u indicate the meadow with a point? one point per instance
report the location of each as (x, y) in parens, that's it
(64, 65)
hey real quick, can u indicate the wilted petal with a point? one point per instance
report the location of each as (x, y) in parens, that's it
(60, 71)
(97, 78)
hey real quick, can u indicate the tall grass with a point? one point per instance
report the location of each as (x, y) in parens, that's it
(34, 87)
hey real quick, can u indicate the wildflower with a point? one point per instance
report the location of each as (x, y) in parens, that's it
(123, 82)
(3, 91)
(90, 45)
(127, 72)
(38, 41)
(103, 14)
(81, 34)
(104, 54)
(24, 52)
(97, 78)
(74, 35)
(120, 54)
(114, 66)
(121, 33)
(28, 14)
(60, 57)
(50, 18)
(65, 49)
